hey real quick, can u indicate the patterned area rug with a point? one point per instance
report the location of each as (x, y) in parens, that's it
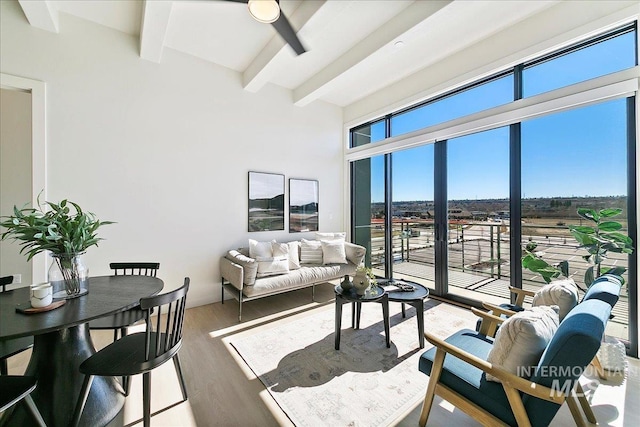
(362, 384)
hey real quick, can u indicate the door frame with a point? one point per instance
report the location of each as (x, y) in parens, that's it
(38, 151)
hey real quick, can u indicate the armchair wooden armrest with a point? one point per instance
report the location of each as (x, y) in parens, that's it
(497, 310)
(490, 322)
(508, 379)
(520, 294)
(511, 384)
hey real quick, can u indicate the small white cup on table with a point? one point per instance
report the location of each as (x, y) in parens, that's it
(41, 295)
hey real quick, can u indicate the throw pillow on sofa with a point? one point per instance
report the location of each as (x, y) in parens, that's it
(310, 252)
(294, 255)
(260, 249)
(521, 340)
(333, 252)
(331, 236)
(271, 266)
(287, 250)
(279, 250)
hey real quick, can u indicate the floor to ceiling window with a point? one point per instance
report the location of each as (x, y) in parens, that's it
(478, 215)
(412, 213)
(368, 190)
(588, 150)
(508, 188)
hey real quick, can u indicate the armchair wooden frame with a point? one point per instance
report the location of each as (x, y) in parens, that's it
(511, 383)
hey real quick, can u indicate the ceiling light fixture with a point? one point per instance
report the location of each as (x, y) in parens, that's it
(266, 11)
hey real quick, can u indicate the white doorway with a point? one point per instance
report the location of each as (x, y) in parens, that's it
(22, 165)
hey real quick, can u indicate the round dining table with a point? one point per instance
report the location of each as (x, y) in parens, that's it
(62, 342)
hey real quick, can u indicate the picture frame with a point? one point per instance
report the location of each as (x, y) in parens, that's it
(266, 201)
(303, 205)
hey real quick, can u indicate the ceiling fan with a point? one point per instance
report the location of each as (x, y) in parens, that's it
(269, 12)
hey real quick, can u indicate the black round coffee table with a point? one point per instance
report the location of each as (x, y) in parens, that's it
(414, 298)
(343, 297)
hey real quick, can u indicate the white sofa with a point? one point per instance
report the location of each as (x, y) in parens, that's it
(248, 278)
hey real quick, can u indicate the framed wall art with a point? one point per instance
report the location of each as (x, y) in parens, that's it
(266, 201)
(303, 205)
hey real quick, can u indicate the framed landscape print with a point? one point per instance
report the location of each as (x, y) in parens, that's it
(303, 205)
(266, 201)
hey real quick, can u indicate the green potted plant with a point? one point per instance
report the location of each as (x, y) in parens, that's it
(598, 239)
(63, 229)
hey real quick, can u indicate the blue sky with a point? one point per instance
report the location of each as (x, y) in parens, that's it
(581, 152)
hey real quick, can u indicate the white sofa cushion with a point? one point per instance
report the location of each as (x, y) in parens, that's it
(294, 255)
(260, 249)
(521, 340)
(333, 252)
(331, 236)
(270, 266)
(310, 252)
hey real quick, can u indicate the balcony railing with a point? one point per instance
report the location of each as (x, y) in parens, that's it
(479, 254)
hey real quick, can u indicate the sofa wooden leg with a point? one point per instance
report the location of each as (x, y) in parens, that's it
(222, 290)
(240, 307)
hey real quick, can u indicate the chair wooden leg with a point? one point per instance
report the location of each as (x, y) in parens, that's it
(34, 411)
(599, 369)
(82, 399)
(586, 407)
(515, 401)
(436, 370)
(575, 411)
(146, 396)
(3, 367)
(183, 387)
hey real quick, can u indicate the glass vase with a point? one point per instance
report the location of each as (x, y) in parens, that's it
(68, 275)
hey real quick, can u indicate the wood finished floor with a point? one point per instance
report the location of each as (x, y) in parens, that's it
(222, 393)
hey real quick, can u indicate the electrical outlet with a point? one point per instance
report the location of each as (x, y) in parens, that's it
(17, 278)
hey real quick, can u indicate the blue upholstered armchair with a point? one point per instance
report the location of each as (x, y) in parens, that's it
(458, 366)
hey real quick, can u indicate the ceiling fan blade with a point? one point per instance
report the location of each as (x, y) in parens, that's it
(285, 30)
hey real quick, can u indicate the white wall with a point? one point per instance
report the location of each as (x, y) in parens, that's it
(165, 149)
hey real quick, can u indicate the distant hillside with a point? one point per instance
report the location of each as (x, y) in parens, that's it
(275, 203)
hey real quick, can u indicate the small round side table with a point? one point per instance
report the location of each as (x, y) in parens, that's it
(350, 296)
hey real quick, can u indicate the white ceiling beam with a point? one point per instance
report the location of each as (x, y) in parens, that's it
(261, 69)
(320, 83)
(153, 29)
(41, 14)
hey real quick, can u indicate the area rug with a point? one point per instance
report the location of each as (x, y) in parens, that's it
(362, 384)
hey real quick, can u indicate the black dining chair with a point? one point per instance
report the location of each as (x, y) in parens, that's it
(141, 352)
(120, 321)
(15, 388)
(13, 346)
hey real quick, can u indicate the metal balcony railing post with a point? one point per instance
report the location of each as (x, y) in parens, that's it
(498, 255)
(491, 248)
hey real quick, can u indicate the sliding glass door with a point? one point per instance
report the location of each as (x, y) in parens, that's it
(412, 237)
(478, 216)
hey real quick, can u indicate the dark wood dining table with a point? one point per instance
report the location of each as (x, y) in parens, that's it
(62, 342)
